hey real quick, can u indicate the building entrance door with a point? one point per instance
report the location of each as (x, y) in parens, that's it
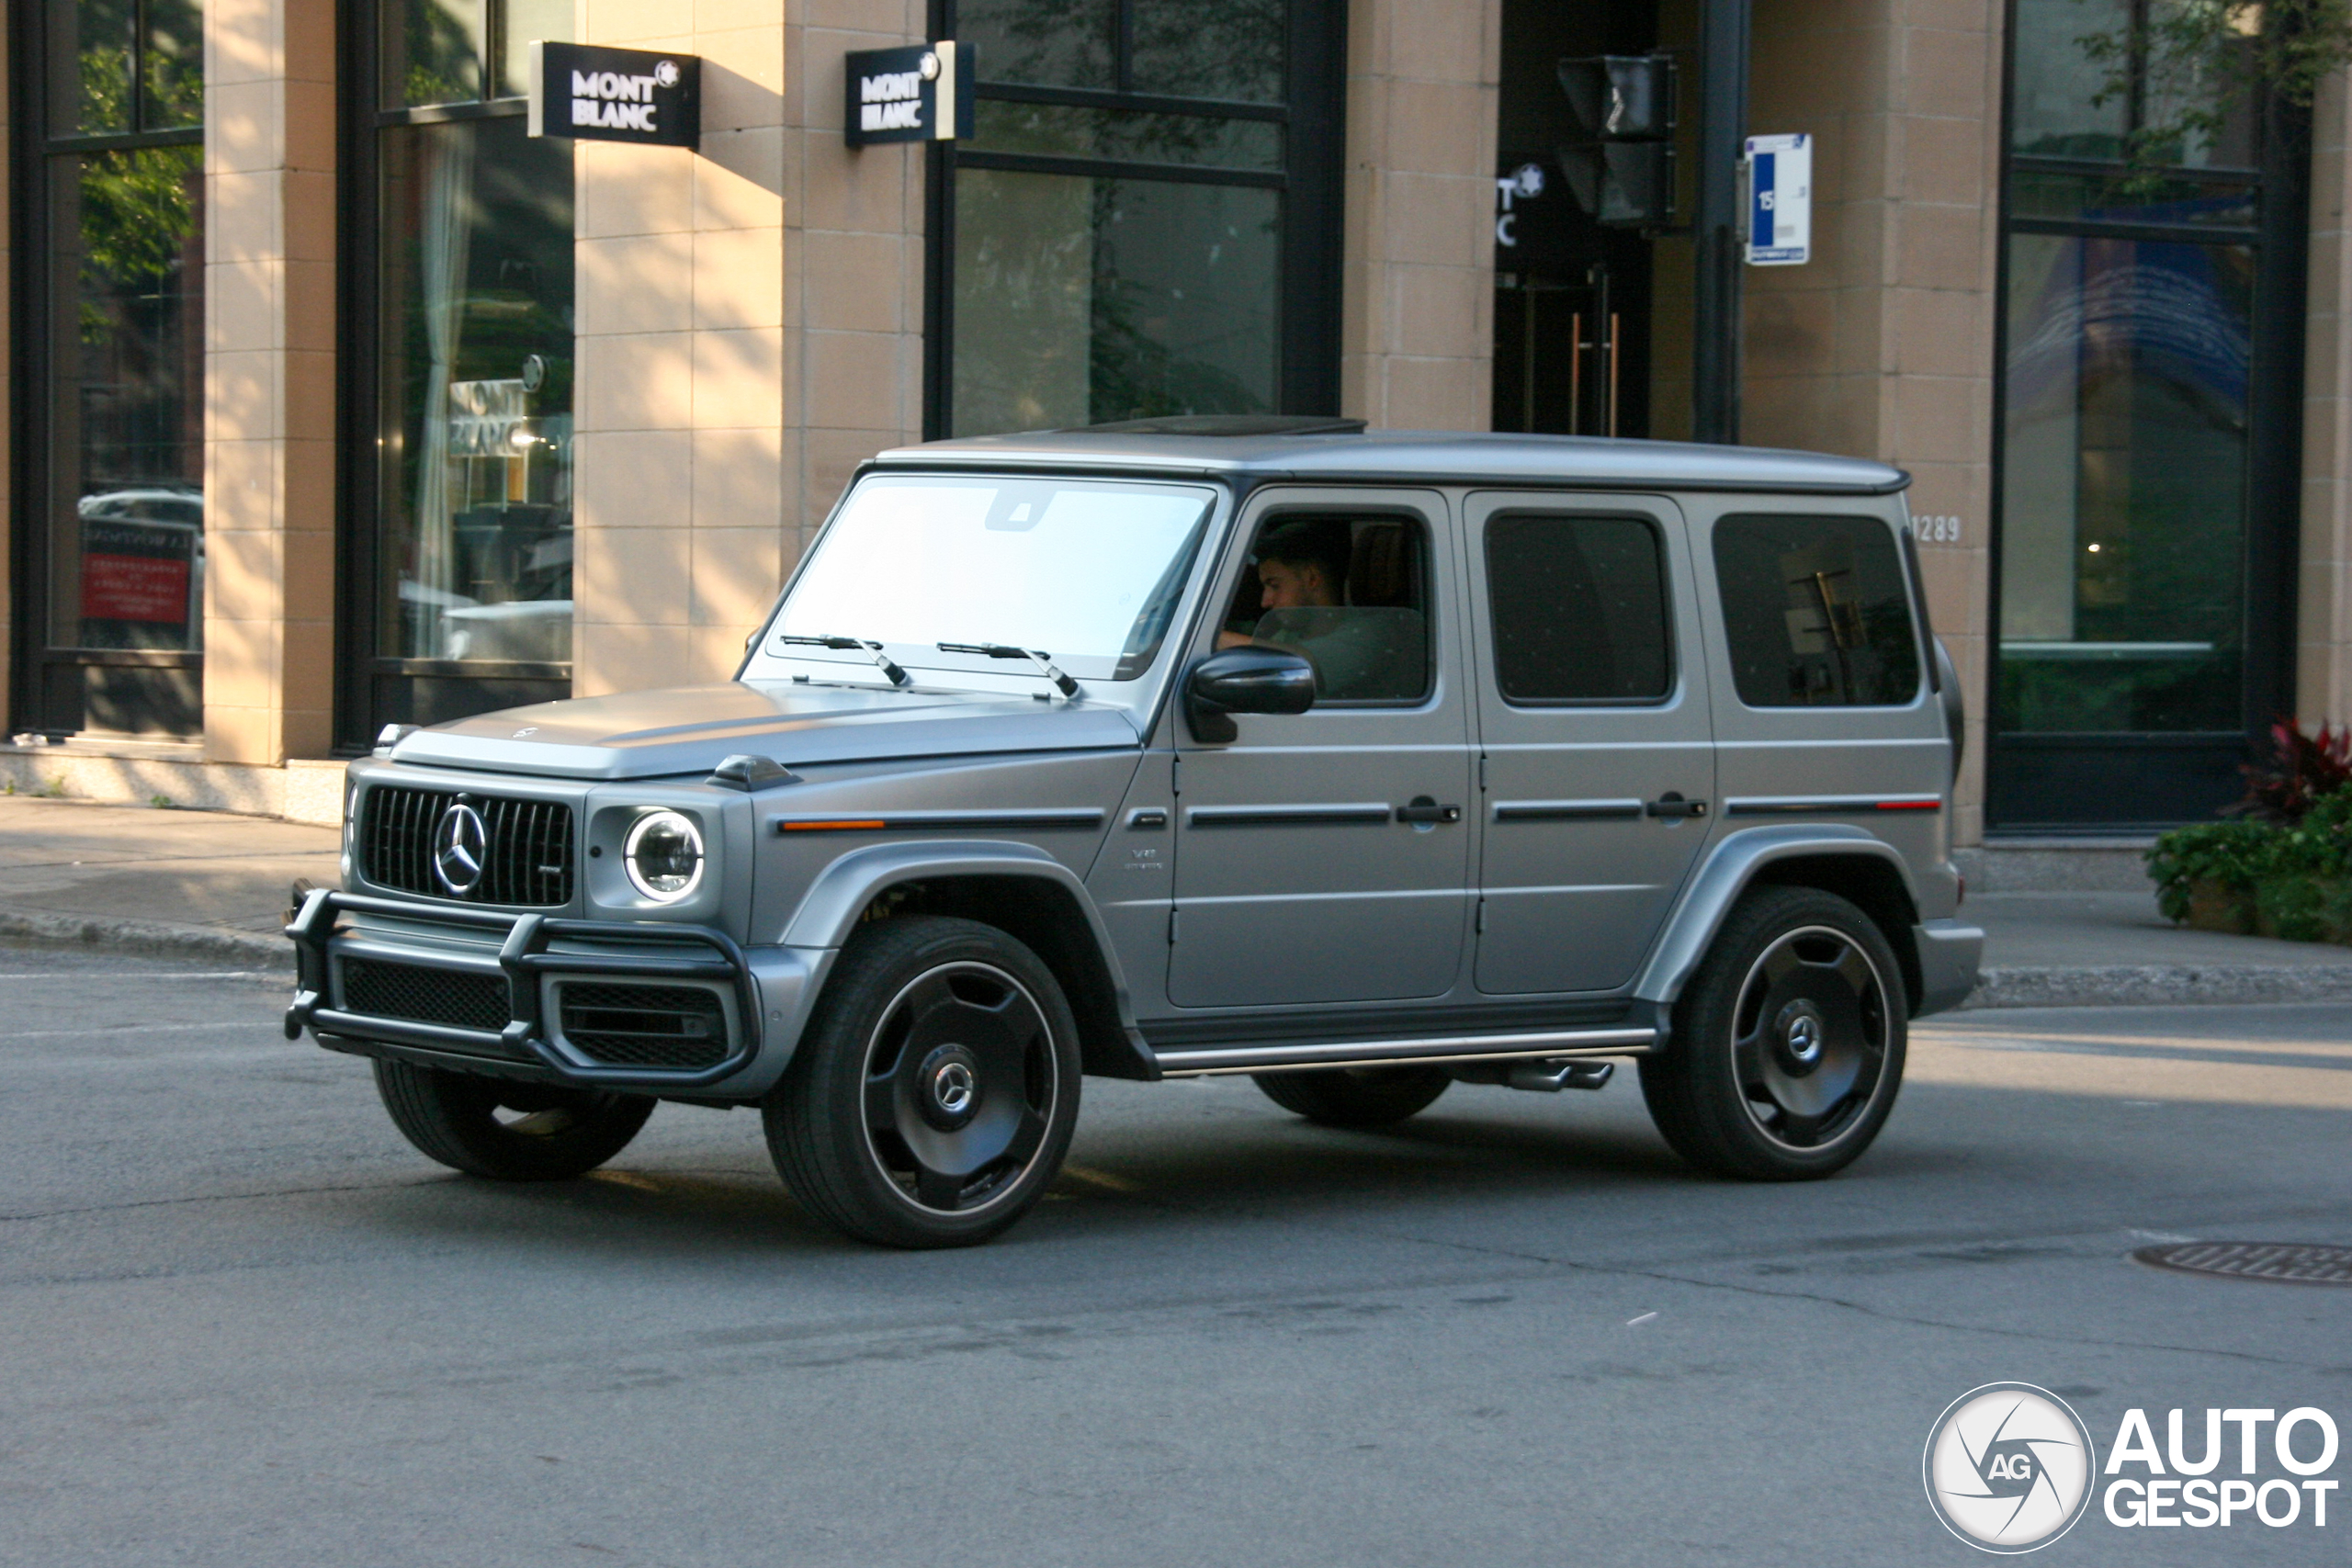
(1574, 354)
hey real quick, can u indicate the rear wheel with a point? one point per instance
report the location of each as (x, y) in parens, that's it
(933, 1095)
(1787, 1044)
(1355, 1097)
(506, 1129)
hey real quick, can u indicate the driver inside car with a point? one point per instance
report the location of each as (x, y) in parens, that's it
(1301, 572)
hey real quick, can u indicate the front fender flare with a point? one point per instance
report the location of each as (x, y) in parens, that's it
(840, 893)
(1726, 872)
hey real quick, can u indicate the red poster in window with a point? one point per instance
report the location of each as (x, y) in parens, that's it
(134, 588)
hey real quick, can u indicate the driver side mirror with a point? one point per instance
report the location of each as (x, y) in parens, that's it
(1245, 680)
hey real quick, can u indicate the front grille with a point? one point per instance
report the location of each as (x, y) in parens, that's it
(645, 1026)
(420, 995)
(528, 859)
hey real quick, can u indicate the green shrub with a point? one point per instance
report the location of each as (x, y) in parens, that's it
(2293, 881)
(2233, 857)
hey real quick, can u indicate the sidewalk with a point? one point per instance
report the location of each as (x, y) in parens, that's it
(203, 884)
(191, 884)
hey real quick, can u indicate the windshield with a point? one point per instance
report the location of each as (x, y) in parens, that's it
(1087, 572)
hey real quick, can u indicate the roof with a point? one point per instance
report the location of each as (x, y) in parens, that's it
(1424, 456)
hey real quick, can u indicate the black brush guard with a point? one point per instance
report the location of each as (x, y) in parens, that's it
(524, 956)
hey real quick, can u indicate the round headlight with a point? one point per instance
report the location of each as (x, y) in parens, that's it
(664, 855)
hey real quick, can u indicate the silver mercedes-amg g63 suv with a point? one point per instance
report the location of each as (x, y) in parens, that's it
(1362, 764)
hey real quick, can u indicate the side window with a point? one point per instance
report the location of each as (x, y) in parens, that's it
(1351, 593)
(1578, 606)
(1814, 612)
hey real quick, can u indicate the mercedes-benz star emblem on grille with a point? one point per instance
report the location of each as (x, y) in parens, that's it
(461, 848)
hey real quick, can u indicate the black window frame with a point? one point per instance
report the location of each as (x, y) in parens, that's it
(1669, 629)
(2036, 782)
(371, 688)
(34, 146)
(1313, 115)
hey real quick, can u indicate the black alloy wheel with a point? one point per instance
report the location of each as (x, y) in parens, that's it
(505, 1129)
(932, 1097)
(1787, 1044)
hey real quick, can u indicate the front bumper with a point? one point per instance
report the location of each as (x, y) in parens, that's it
(1950, 955)
(483, 962)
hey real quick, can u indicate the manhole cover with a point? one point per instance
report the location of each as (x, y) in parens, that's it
(2288, 1262)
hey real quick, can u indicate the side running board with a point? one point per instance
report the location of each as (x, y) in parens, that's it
(1205, 1061)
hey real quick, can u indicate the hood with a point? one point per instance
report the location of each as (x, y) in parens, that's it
(690, 729)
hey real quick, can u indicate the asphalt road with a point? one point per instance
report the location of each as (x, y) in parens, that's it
(241, 1323)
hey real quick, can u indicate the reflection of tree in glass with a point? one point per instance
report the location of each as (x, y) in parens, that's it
(1209, 49)
(1062, 43)
(1133, 372)
(138, 225)
(174, 64)
(442, 67)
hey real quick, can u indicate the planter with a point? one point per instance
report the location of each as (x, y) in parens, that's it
(2218, 907)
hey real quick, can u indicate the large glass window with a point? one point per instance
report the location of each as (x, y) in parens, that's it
(1127, 233)
(2123, 471)
(2137, 616)
(119, 584)
(460, 568)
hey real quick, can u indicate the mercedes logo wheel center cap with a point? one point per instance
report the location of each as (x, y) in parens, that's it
(461, 848)
(950, 1087)
(1801, 1030)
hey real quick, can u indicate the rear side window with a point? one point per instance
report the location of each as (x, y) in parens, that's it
(1814, 612)
(1578, 609)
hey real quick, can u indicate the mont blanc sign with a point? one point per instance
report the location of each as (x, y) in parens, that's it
(922, 92)
(615, 95)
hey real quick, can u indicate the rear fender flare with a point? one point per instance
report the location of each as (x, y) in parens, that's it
(1730, 869)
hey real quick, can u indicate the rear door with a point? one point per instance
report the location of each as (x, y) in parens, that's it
(1324, 857)
(1598, 748)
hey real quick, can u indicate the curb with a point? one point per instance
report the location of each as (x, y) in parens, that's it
(157, 938)
(2159, 984)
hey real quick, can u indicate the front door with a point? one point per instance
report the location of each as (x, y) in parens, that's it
(1324, 857)
(1592, 713)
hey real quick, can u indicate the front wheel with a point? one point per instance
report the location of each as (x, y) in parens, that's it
(505, 1130)
(933, 1095)
(1787, 1044)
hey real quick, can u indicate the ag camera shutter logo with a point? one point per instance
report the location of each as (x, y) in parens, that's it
(2009, 1467)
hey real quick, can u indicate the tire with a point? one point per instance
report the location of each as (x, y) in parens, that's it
(932, 1097)
(1355, 1097)
(505, 1130)
(1787, 1044)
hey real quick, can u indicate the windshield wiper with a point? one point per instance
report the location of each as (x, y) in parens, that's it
(873, 650)
(1042, 660)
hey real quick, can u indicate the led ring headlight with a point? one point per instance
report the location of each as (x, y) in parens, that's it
(664, 855)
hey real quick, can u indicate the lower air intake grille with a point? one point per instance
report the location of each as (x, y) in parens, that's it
(645, 1026)
(425, 995)
(526, 846)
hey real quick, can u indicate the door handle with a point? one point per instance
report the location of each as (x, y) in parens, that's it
(1673, 805)
(1425, 808)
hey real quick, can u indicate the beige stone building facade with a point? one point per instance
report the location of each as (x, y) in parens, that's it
(339, 402)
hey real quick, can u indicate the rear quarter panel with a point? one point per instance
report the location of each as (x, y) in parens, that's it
(1829, 753)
